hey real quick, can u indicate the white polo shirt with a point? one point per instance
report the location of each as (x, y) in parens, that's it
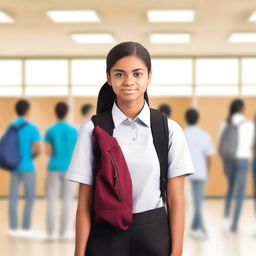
(136, 141)
(200, 147)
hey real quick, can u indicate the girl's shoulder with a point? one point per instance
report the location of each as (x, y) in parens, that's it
(174, 127)
(87, 128)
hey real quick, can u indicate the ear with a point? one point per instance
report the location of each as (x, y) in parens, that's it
(109, 80)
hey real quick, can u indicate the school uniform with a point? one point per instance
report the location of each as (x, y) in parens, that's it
(136, 141)
(200, 147)
(62, 138)
(236, 170)
(25, 172)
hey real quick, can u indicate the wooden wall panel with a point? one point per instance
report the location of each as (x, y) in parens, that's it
(213, 111)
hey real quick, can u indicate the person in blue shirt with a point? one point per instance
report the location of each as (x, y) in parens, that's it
(60, 141)
(29, 137)
(201, 149)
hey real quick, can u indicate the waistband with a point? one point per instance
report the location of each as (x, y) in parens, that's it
(150, 216)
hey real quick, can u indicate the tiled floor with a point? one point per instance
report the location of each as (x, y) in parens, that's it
(218, 243)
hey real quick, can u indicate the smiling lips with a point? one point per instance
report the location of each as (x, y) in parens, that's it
(129, 90)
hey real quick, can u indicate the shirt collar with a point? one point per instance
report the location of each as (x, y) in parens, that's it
(119, 116)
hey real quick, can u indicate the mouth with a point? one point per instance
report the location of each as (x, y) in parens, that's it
(129, 91)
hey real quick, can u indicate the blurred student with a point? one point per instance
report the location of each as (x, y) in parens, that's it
(60, 140)
(235, 149)
(165, 108)
(254, 165)
(29, 146)
(201, 149)
(86, 113)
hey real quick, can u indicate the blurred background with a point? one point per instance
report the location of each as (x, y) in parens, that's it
(203, 56)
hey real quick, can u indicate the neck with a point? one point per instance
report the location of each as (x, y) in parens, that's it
(130, 109)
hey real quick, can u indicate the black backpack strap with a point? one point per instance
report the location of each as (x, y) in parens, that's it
(105, 121)
(160, 132)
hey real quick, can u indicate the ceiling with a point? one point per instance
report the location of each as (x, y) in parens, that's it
(34, 34)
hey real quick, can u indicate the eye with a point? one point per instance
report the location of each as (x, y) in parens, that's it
(118, 74)
(138, 74)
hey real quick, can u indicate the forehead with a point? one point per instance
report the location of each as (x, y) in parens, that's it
(129, 63)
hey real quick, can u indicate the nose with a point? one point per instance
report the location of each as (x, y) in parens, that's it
(129, 80)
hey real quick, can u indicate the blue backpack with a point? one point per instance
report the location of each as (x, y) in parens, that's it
(10, 156)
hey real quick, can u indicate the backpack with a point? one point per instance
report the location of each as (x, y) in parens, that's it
(229, 141)
(10, 156)
(105, 186)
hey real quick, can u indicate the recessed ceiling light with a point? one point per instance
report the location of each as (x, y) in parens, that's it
(171, 38)
(242, 38)
(73, 16)
(171, 15)
(5, 18)
(93, 38)
(252, 18)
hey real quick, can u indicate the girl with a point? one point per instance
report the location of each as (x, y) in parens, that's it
(153, 231)
(236, 169)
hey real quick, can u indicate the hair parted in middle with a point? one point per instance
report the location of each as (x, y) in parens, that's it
(106, 95)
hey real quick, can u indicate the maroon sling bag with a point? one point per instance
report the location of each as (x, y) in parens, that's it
(113, 184)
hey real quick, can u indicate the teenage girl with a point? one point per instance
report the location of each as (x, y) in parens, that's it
(154, 232)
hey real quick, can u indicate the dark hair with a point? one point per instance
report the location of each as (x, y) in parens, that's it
(165, 108)
(106, 95)
(61, 110)
(86, 108)
(21, 107)
(192, 116)
(236, 106)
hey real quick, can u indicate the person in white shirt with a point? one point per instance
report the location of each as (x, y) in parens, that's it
(201, 150)
(125, 95)
(236, 169)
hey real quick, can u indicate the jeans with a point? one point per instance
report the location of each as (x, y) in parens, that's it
(197, 187)
(28, 178)
(56, 185)
(254, 181)
(236, 173)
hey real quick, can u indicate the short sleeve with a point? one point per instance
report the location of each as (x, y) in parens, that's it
(83, 163)
(37, 136)
(179, 160)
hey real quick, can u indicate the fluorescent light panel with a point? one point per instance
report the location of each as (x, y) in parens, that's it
(252, 18)
(93, 38)
(171, 15)
(172, 38)
(73, 16)
(5, 18)
(242, 38)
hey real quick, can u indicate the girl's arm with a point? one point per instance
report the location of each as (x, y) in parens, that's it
(176, 212)
(83, 218)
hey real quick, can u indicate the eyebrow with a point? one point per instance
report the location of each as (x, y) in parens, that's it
(120, 70)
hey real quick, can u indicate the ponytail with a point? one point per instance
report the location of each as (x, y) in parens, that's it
(107, 97)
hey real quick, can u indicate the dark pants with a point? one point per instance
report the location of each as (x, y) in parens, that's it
(148, 236)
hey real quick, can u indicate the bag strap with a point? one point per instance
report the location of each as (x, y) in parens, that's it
(105, 121)
(20, 126)
(160, 138)
(161, 142)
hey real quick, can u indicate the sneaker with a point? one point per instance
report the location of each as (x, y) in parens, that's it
(68, 236)
(27, 233)
(51, 237)
(14, 232)
(226, 225)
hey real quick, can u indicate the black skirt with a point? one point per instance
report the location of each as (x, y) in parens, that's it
(147, 236)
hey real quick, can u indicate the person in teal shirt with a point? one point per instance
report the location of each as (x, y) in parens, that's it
(29, 137)
(60, 141)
